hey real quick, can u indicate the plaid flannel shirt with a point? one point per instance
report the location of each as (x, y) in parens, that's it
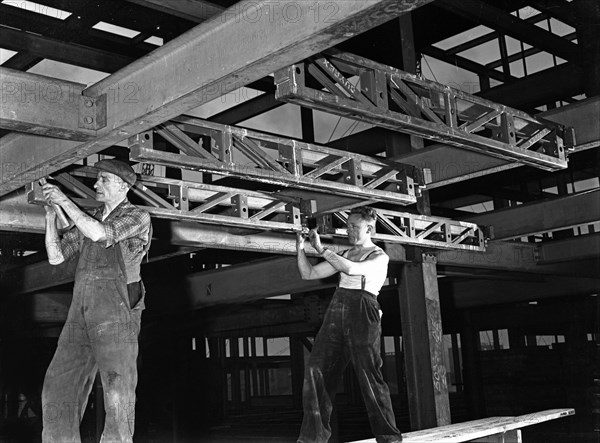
(126, 224)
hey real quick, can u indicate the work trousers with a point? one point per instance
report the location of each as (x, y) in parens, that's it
(100, 335)
(351, 331)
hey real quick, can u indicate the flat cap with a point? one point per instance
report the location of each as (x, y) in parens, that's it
(119, 168)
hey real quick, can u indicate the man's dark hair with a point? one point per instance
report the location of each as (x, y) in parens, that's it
(367, 213)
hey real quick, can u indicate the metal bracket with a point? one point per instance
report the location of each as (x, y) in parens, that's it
(397, 100)
(92, 112)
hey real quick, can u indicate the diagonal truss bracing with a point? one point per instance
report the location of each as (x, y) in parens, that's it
(420, 230)
(192, 201)
(352, 86)
(250, 155)
(187, 200)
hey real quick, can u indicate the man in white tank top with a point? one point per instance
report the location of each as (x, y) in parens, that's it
(351, 331)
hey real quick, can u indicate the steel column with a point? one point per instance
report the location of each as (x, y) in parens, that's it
(422, 335)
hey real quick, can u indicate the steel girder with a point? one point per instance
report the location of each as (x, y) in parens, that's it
(215, 57)
(347, 85)
(250, 155)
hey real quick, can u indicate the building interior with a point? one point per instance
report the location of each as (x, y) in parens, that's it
(472, 126)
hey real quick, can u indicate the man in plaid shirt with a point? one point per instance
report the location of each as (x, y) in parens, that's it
(101, 332)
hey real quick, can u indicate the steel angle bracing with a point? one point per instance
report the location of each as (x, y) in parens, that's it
(420, 230)
(360, 89)
(191, 201)
(237, 152)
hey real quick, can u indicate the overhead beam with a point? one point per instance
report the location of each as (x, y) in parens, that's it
(581, 247)
(543, 216)
(490, 36)
(482, 13)
(208, 288)
(473, 293)
(196, 68)
(559, 9)
(557, 83)
(583, 116)
(16, 215)
(469, 65)
(53, 49)
(41, 105)
(195, 10)
(250, 108)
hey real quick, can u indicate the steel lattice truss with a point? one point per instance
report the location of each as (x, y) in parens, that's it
(421, 230)
(249, 155)
(352, 86)
(192, 201)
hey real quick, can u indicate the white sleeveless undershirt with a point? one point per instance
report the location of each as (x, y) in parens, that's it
(371, 283)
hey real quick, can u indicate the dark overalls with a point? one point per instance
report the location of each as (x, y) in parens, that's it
(351, 331)
(101, 334)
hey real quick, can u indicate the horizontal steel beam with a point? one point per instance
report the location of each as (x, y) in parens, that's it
(544, 216)
(475, 293)
(482, 13)
(583, 116)
(194, 69)
(557, 83)
(52, 307)
(53, 49)
(581, 247)
(196, 10)
(404, 102)
(42, 105)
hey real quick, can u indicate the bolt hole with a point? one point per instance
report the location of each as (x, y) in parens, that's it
(147, 136)
(298, 70)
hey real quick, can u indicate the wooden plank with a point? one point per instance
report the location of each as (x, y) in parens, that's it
(477, 429)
